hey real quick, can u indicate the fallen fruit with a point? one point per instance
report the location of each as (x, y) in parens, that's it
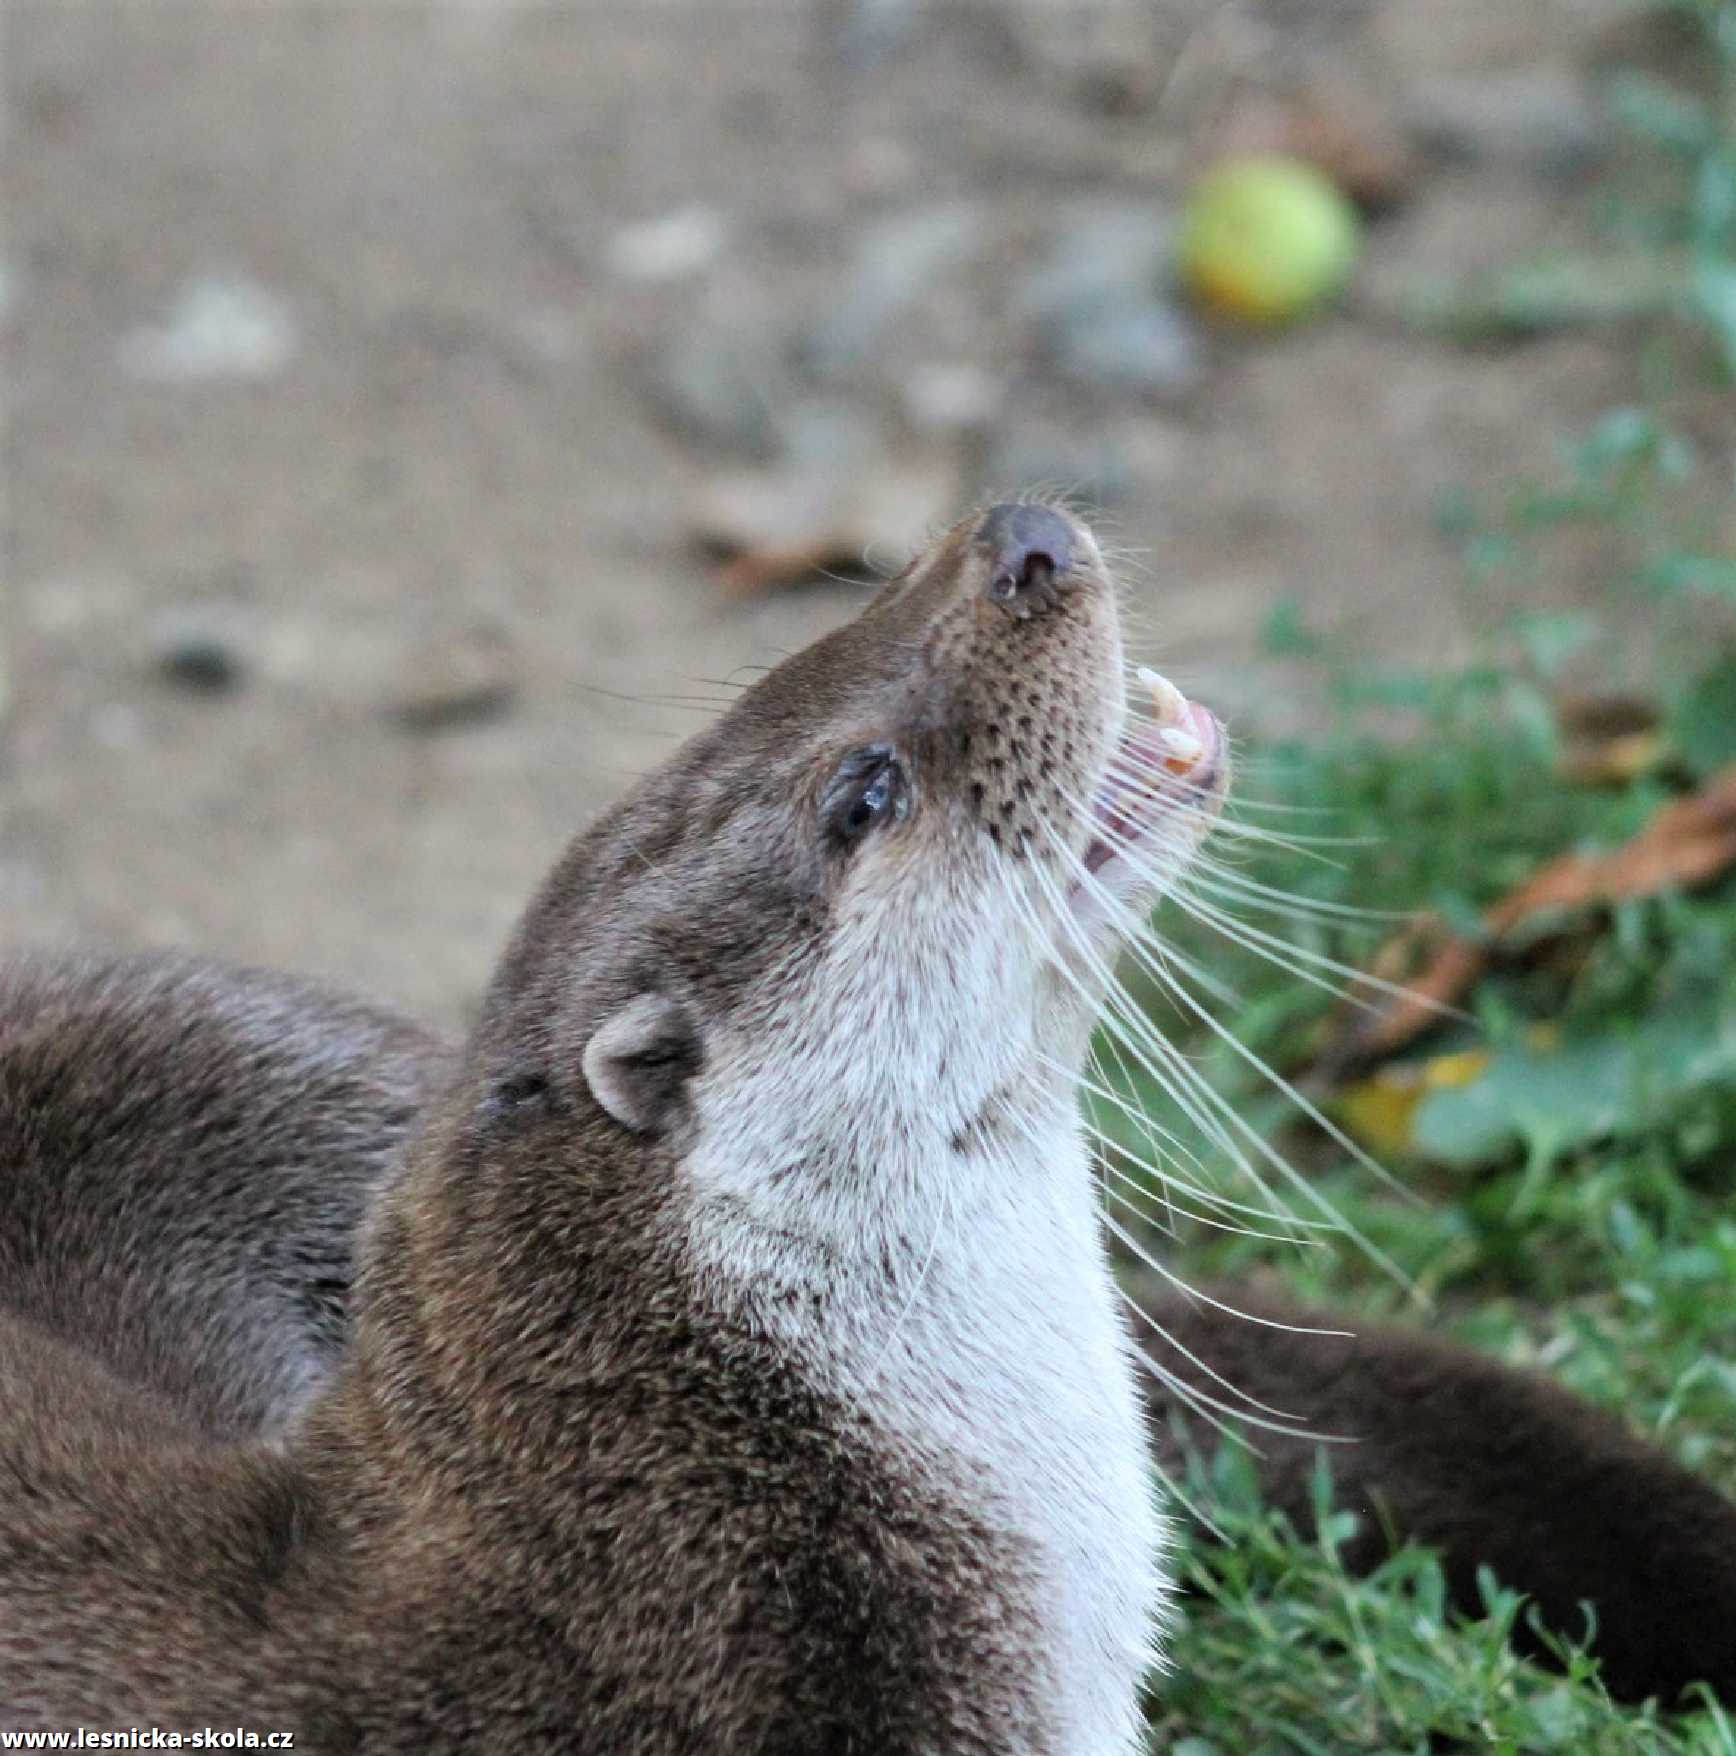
(1266, 238)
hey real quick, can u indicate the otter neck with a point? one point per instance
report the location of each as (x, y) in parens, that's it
(509, 1283)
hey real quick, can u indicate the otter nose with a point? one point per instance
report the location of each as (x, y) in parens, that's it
(1032, 549)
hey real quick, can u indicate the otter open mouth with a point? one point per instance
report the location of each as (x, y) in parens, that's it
(1169, 766)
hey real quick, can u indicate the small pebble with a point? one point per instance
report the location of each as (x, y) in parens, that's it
(723, 383)
(952, 398)
(203, 663)
(454, 680)
(897, 258)
(1141, 347)
(1539, 120)
(1103, 252)
(197, 649)
(219, 326)
(674, 246)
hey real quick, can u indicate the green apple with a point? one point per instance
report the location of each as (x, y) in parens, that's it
(1266, 238)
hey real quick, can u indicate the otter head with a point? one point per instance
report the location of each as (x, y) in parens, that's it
(808, 959)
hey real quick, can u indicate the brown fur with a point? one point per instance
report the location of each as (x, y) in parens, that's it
(563, 1491)
(1492, 1466)
(556, 1456)
(184, 1153)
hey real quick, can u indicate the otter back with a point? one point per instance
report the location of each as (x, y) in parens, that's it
(186, 1150)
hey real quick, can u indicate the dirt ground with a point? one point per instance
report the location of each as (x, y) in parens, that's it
(454, 430)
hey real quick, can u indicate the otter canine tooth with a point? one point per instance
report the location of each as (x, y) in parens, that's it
(1168, 701)
(1185, 749)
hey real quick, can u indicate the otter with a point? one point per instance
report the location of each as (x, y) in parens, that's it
(1491, 1466)
(186, 1154)
(248, 1122)
(735, 1363)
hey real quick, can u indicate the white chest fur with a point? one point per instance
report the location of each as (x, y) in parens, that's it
(998, 1349)
(1014, 1357)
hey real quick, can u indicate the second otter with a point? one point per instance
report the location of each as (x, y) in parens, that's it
(735, 1365)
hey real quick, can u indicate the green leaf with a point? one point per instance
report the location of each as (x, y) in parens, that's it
(1714, 294)
(1703, 725)
(1663, 115)
(1708, 575)
(1602, 1087)
(1285, 634)
(1550, 638)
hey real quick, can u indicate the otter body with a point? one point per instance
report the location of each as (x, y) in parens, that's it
(735, 1364)
(186, 1151)
(1494, 1467)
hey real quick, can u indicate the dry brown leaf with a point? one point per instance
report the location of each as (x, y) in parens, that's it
(1688, 842)
(757, 571)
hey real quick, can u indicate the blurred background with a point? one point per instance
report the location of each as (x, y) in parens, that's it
(418, 415)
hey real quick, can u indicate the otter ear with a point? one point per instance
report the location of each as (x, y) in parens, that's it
(639, 1060)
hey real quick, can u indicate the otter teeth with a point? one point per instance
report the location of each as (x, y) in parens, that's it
(1185, 749)
(1170, 707)
(1167, 700)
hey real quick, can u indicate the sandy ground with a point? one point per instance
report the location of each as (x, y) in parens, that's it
(460, 432)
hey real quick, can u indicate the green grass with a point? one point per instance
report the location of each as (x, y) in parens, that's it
(1574, 1208)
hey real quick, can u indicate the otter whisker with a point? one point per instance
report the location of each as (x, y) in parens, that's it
(1205, 1298)
(1159, 1140)
(1107, 1150)
(1275, 950)
(1146, 951)
(1214, 986)
(1210, 874)
(1140, 1211)
(1167, 1068)
(1292, 1093)
(1141, 1039)
(1198, 1191)
(1305, 847)
(1208, 1407)
(1192, 1392)
(1281, 953)
(1162, 1140)
(1144, 1033)
(1133, 1194)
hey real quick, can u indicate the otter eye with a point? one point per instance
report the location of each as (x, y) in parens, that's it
(869, 789)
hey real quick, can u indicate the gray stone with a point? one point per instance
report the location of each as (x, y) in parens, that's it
(201, 648)
(455, 678)
(1098, 301)
(674, 246)
(897, 258)
(203, 663)
(869, 34)
(1102, 252)
(1541, 120)
(724, 383)
(1138, 347)
(954, 397)
(219, 326)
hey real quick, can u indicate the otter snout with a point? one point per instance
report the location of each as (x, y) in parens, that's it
(1032, 552)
